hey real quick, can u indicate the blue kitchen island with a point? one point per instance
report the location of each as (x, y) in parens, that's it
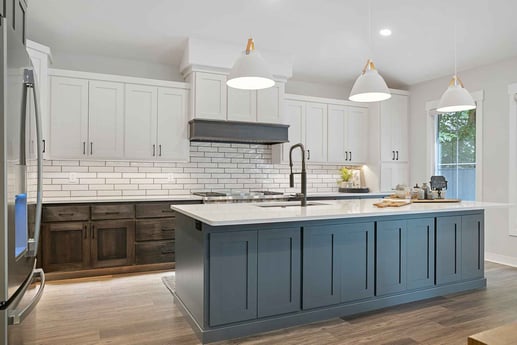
(248, 268)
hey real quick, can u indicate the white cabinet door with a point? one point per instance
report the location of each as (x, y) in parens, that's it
(316, 132)
(393, 174)
(106, 120)
(356, 135)
(172, 137)
(337, 141)
(68, 118)
(295, 113)
(210, 96)
(140, 121)
(394, 127)
(242, 105)
(269, 104)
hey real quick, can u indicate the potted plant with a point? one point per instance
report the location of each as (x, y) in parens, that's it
(346, 177)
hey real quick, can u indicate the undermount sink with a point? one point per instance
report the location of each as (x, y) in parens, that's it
(292, 204)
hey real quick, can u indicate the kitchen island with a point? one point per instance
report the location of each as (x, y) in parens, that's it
(248, 268)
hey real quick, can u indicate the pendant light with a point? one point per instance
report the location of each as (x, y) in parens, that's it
(250, 71)
(456, 97)
(369, 86)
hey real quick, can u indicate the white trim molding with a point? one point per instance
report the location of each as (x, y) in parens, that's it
(512, 159)
(430, 108)
(501, 259)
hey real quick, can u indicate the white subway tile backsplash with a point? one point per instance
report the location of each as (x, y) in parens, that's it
(212, 167)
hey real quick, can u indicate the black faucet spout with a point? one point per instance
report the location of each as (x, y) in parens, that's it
(303, 173)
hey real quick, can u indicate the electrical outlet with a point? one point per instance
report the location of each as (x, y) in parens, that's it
(72, 178)
(170, 177)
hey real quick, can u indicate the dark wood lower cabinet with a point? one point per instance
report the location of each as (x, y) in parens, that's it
(154, 251)
(66, 246)
(112, 243)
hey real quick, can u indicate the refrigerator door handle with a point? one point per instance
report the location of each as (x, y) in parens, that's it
(16, 316)
(29, 82)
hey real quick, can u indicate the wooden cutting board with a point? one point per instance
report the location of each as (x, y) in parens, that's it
(435, 200)
(391, 203)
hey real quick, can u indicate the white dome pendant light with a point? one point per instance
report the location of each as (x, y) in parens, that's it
(456, 97)
(369, 86)
(250, 71)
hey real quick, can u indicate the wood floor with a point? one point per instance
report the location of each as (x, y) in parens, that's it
(138, 309)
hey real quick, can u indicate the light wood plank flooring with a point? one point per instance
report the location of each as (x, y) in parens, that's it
(138, 309)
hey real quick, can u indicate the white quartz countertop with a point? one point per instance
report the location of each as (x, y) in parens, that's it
(253, 213)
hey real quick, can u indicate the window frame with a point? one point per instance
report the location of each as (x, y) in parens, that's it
(431, 122)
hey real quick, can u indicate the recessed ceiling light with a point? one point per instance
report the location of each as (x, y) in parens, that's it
(385, 32)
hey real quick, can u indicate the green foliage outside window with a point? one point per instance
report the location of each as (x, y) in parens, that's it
(457, 137)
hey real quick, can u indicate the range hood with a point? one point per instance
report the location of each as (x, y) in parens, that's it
(237, 132)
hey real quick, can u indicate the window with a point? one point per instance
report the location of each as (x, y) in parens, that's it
(456, 153)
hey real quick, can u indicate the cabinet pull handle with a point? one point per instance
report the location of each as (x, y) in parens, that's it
(346, 155)
(154, 150)
(393, 155)
(84, 147)
(397, 155)
(165, 251)
(160, 150)
(167, 229)
(111, 213)
(44, 145)
(308, 155)
(85, 232)
(167, 211)
(91, 147)
(93, 232)
(350, 156)
(66, 214)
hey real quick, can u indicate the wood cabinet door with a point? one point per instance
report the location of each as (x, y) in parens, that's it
(295, 113)
(356, 261)
(472, 246)
(391, 257)
(106, 120)
(316, 132)
(321, 272)
(66, 246)
(233, 277)
(172, 125)
(242, 105)
(356, 134)
(112, 243)
(420, 253)
(140, 121)
(209, 96)
(279, 271)
(269, 104)
(448, 249)
(68, 118)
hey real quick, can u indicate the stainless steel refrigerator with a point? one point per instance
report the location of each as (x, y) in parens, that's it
(20, 172)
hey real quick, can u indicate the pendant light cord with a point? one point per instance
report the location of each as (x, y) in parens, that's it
(370, 39)
(455, 43)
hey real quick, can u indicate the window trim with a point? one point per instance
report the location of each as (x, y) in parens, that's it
(431, 112)
(512, 158)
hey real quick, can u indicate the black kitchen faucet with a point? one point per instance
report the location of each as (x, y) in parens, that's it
(303, 194)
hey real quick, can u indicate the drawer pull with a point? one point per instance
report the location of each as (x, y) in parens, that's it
(167, 211)
(165, 251)
(111, 213)
(70, 214)
(167, 229)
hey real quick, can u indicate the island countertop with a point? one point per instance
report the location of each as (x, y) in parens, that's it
(263, 212)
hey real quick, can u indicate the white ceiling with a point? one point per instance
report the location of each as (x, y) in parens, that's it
(328, 39)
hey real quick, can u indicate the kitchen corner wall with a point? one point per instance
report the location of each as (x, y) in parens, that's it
(212, 167)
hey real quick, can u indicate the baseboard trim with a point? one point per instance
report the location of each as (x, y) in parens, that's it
(501, 259)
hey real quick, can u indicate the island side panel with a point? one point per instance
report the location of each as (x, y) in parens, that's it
(190, 273)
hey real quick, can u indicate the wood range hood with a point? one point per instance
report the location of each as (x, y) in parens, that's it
(237, 132)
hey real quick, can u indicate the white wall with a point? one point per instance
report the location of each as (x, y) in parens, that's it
(494, 80)
(112, 65)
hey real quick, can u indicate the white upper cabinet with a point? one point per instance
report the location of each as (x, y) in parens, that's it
(172, 131)
(106, 119)
(394, 129)
(242, 105)
(347, 134)
(316, 132)
(209, 94)
(141, 115)
(295, 114)
(68, 118)
(393, 174)
(212, 99)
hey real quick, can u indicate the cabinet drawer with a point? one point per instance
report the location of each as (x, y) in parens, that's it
(154, 210)
(117, 211)
(155, 229)
(154, 252)
(65, 213)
